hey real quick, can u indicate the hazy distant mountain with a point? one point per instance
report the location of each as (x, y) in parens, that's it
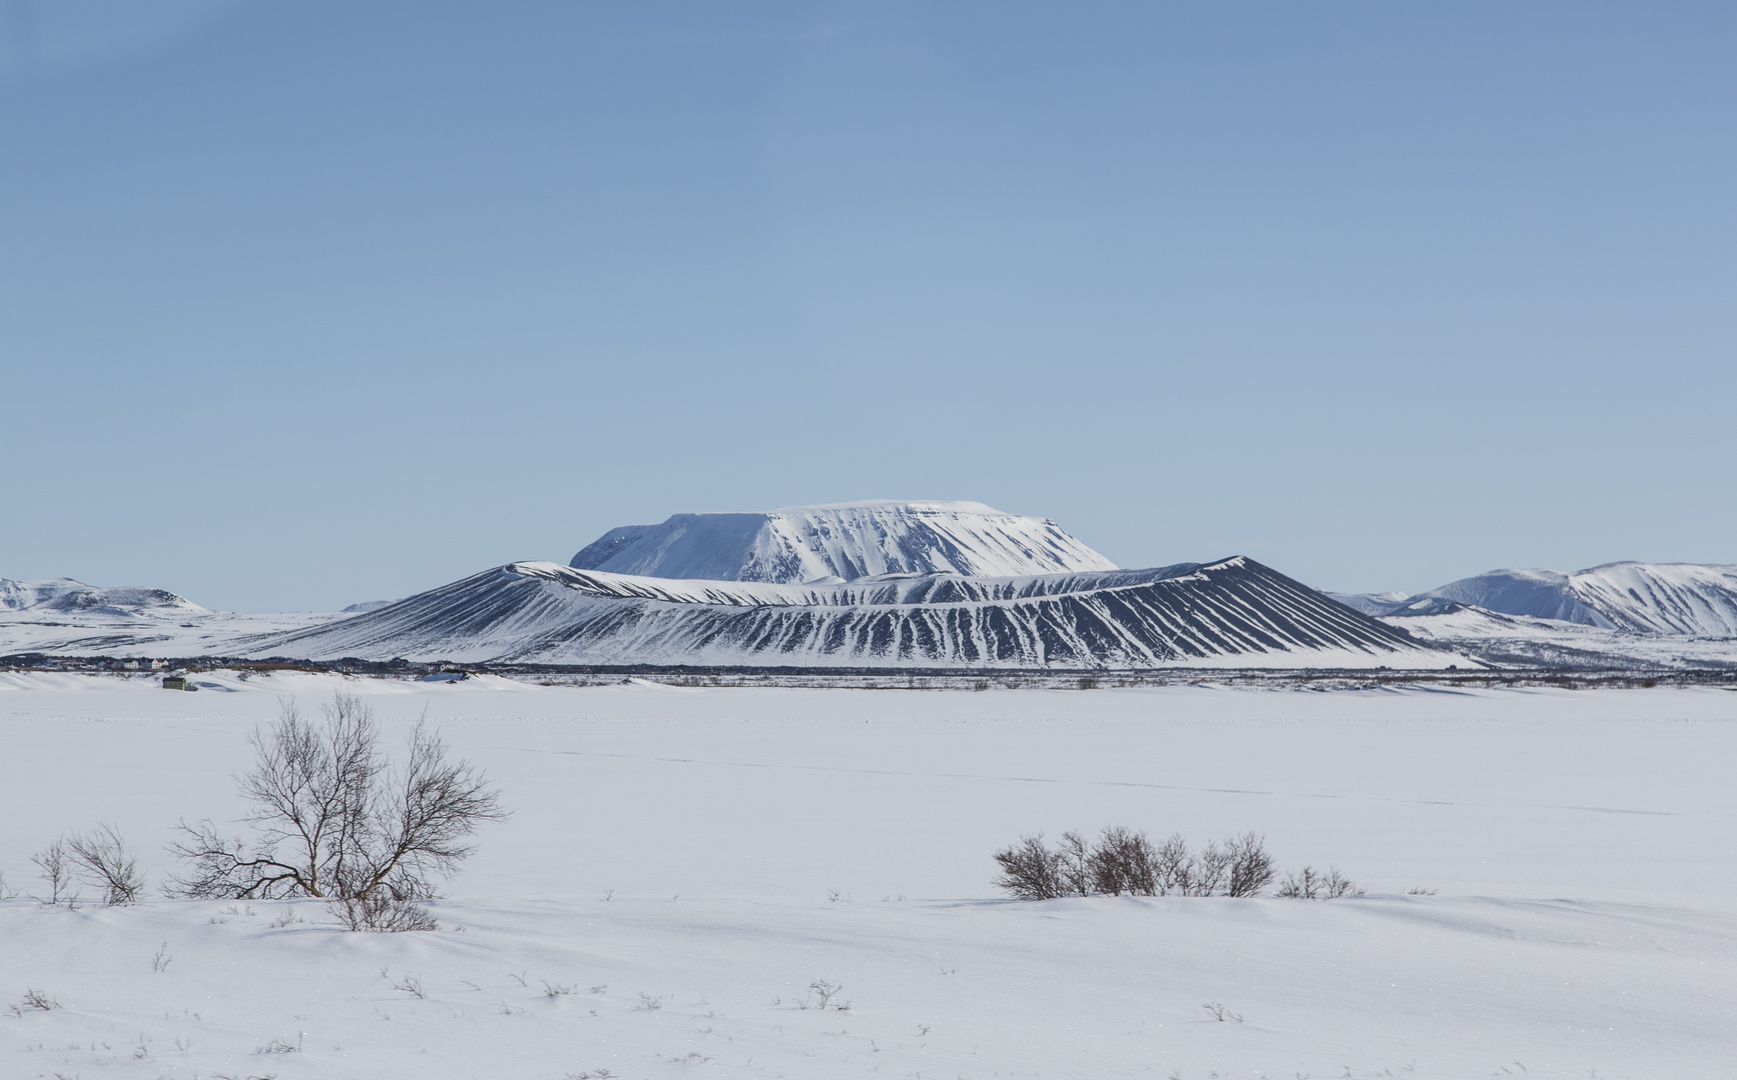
(1640, 598)
(1369, 603)
(368, 605)
(66, 596)
(1231, 613)
(842, 542)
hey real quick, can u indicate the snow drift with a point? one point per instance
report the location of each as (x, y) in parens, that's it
(1235, 612)
(842, 542)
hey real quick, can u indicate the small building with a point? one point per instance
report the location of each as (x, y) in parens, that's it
(177, 682)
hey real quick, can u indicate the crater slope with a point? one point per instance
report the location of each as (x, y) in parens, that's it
(1234, 613)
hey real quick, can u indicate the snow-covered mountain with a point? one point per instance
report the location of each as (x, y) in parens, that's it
(1234, 613)
(842, 542)
(67, 596)
(1638, 598)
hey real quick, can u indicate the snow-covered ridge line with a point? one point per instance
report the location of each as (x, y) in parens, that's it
(842, 542)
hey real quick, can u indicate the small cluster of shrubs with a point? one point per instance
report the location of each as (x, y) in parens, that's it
(1123, 862)
(1310, 884)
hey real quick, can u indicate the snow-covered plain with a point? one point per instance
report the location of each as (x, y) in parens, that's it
(675, 854)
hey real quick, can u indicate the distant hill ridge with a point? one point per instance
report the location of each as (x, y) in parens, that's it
(68, 596)
(1693, 599)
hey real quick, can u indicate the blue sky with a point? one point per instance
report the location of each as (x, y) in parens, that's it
(309, 303)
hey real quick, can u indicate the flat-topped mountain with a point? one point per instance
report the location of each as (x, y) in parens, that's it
(842, 542)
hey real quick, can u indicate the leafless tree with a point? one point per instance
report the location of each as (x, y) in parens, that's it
(56, 873)
(332, 818)
(103, 861)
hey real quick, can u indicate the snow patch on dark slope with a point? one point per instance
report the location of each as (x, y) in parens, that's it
(842, 542)
(1639, 598)
(1232, 613)
(66, 596)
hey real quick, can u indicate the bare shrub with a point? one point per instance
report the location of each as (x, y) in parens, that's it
(1121, 862)
(1304, 884)
(1251, 868)
(1073, 864)
(1172, 865)
(103, 862)
(1206, 871)
(1030, 870)
(827, 992)
(1124, 861)
(332, 818)
(56, 873)
(379, 913)
(34, 1001)
(1177, 870)
(1336, 885)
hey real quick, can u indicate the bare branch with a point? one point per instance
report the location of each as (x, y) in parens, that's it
(56, 873)
(106, 865)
